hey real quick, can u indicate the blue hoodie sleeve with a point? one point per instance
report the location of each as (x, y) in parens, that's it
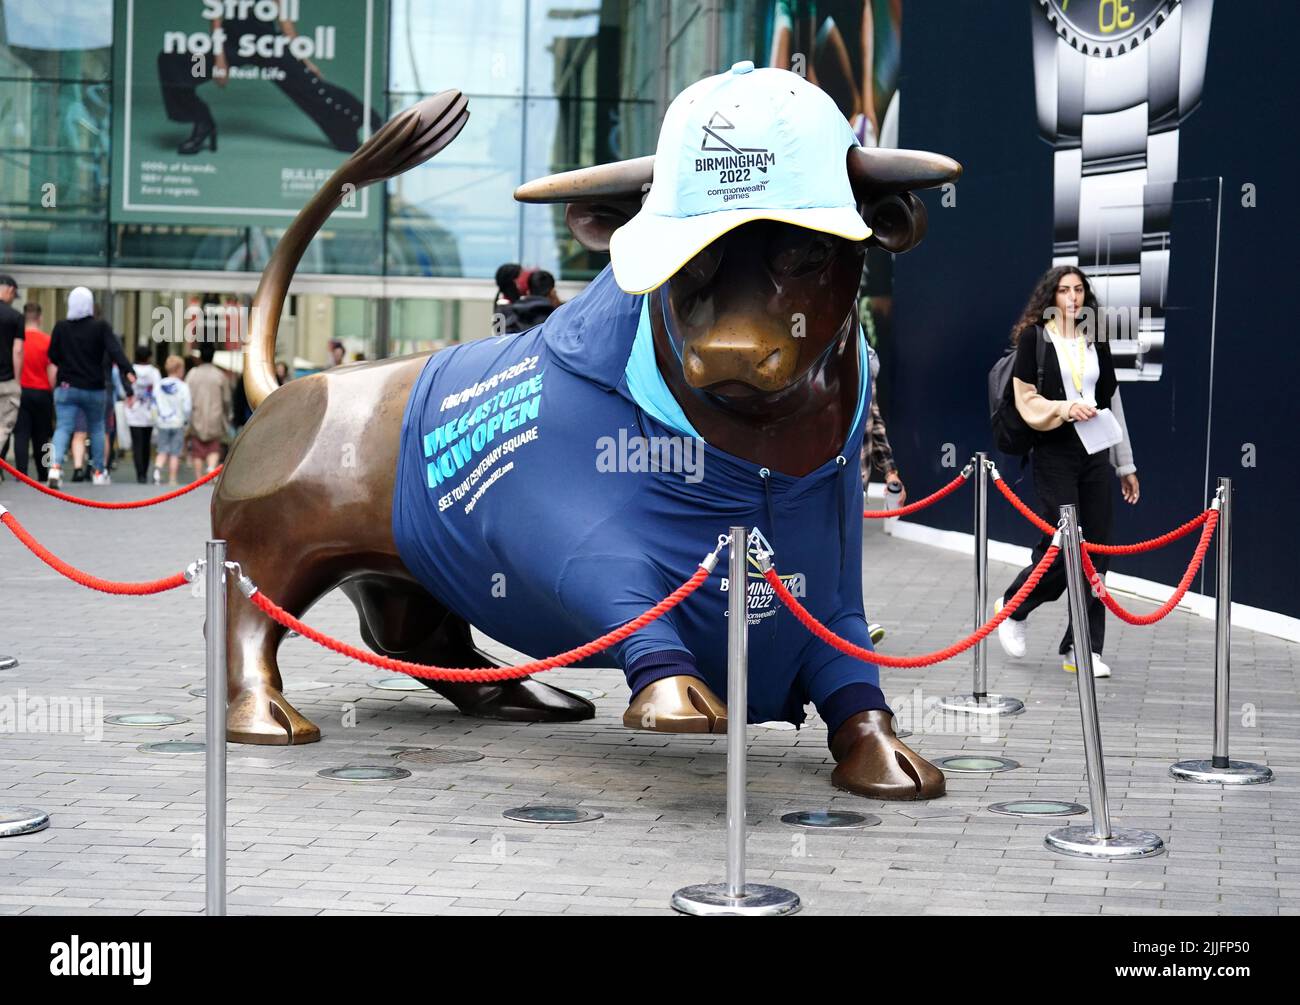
(605, 591)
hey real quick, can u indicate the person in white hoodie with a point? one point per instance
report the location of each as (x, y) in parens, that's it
(171, 415)
(139, 410)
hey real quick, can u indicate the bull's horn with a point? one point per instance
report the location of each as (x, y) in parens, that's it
(615, 181)
(883, 170)
(408, 139)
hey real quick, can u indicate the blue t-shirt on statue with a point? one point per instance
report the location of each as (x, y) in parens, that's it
(549, 489)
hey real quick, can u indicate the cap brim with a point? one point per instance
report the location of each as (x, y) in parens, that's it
(648, 250)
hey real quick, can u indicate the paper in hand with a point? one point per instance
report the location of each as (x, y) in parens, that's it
(1099, 432)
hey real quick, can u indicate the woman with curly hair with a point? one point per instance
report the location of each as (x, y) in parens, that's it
(1076, 381)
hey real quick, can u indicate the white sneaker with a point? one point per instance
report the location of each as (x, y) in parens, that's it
(101, 478)
(54, 477)
(157, 476)
(1099, 669)
(1011, 633)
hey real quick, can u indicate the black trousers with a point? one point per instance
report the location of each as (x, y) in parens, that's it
(141, 436)
(336, 110)
(1065, 473)
(34, 430)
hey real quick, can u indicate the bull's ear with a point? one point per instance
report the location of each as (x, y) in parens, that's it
(601, 199)
(593, 223)
(883, 180)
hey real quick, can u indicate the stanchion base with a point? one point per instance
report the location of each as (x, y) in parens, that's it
(7, 662)
(1236, 773)
(1124, 843)
(990, 704)
(16, 820)
(710, 899)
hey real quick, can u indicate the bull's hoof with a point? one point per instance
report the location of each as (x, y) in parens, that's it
(681, 704)
(871, 761)
(263, 715)
(524, 700)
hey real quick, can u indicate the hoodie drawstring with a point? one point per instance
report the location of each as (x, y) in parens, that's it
(766, 475)
(839, 496)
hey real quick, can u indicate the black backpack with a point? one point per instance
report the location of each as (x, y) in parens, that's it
(1011, 433)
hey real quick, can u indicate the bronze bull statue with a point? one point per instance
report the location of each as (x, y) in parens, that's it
(302, 524)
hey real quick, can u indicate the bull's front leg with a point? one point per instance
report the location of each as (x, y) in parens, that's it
(677, 704)
(871, 761)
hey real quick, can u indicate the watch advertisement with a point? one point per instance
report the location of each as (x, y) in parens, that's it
(1129, 138)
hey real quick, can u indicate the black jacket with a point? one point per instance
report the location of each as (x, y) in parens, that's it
(11, 329)
(78, 349)
(526, 312)
(1026, 369)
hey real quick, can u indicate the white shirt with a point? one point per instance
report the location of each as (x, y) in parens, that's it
(1067, 357)
(140, 412)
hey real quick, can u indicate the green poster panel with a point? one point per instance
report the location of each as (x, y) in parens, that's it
(234, 112)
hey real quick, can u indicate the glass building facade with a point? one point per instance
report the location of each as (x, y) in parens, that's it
(552, 85)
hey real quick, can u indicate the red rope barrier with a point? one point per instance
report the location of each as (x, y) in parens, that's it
(933, 497)
(84, 578)
(843, 645)
(1153, 543)
(1023, 507)
(101, 504)
(1112, 605)
(1102, 549)
(482, 674)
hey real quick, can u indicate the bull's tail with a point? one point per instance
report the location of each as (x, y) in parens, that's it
(408, 139)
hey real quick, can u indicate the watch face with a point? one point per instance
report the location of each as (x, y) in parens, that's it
(1106, 27)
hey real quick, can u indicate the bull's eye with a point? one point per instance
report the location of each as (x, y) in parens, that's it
(794, 252)
(696, 273)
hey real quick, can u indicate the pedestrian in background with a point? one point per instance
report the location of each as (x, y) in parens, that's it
(507, 284)
(877, 454)
(36, 410)
(139, 411)
(171, 415)
(78, 346)
(213, 408)
(11, 358)
(1078, 381)
(533, 308)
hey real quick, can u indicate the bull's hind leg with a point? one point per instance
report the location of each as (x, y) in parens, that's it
(401, 620)
(257, 710)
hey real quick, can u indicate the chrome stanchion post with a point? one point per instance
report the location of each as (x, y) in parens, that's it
(979, 701)
(735, 896)
(1220, 768)
(1101, 840)
(215, 735)
(737, 703)
(8, 662)
(979, 662)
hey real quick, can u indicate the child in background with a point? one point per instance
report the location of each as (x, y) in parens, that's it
(139, 410)
(171, 415)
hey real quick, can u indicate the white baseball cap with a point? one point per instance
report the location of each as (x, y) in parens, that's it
(743, 145)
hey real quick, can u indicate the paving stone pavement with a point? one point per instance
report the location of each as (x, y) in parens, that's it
(126, 827)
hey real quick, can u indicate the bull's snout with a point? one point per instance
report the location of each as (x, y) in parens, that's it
(764, 362)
